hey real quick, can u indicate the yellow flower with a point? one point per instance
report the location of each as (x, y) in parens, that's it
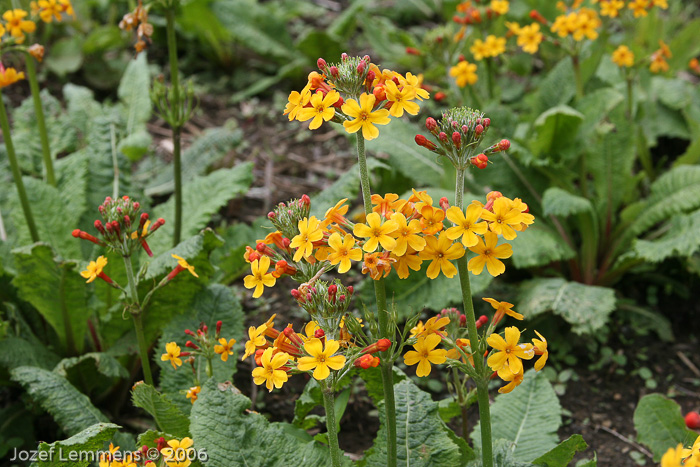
(611, 8)
(587, 22)
(385, 206)
(658, 63)
(495, 45)
(500, 6)
(376, 233)
(489, 254)
(336, 214)
(406, 234)
(178, 453)
(509, 352)
(540, 349)
(466, 226)
(514, 379)
(530, 37)
(321, 109)
(674, 457)
(296, 102)
(408, 260)
(503, 218)
(431, 220)
(464, 73)
(193, 393)
(17, 25)
(94, 269)
(364, 117)
(503, 308)
(259, 277)
(425, 353)
(225, 348)
(269, 371)
(343, 251)
(185, 265)
(47, 10)
(172, 353)
(623, 56)
(256, 338)
(441, 250)
(414, 82)
(434, 325)
(663, 4)
(400, 99)
(457, 355)
(638, 7)
(67, 7)
(309, 231)
(320, 360)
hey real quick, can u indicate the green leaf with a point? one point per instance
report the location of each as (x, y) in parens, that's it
(15, 352)
(502, 456)
(556, 129)
(71, 409)
(561, 455)
(673, 92)
(595, 106)
(558, 87)
(417, 163)
(105, 364)
(66, 55)
(558, 202)
(214, 303)
(529, 417)
(134, 94)
(373, 382)
(55, 288)
(422, 438)
(221, 415)
(538, 246)
(103, 38)
(585, 307)
(682, 239)
(660, 425)
(135, 145)
(73, 452)
(167, 416)
(201, 197)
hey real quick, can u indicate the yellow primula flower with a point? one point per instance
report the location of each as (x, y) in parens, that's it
(639, 7)
(466, 224)
(503, 218)
(182, 262)
(16, 25)
(514, 379)
(343, 251)
(431, 220)
(256, 338)
(193, 393)
(489, 255)
(529, 38)
(508, 351)
(47, 10)
(309, 231)
(321, 360)
(172, 354)
(674, 457)
(441, 250)
(425, 354)
(224, 348)
(500, 6)
(414, 83)
(259, 277)
(363, 117)
(407, 235)
(502, 309)
(495, 45)
(385, 206)
(409, 260)
(434, 325)
(401, 99)
(540, 349)
(623, 56)
(296, 102)
(94, 269)
(178, 453)
(455, 354)
(464, 73)
(663, 4)
(321, 109)
(611, 8)
(658, 63)
(376, 232)
(269, 371)
(335, 215)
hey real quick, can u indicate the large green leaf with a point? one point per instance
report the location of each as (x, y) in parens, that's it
(562, 454)
(538, 246)
(134, 93)
(422, 437)
(660, 424)
(55, 288)
(233, 435)
(15, 351)
(214, 303)
(558, 202)
(595, 106)
(104, 363)
(165, 413)
(73, 452)
(529, 417)
(585, 307)
(71, 409)
(556, 129)
(558, 86)
(682, 239)
(202, 197)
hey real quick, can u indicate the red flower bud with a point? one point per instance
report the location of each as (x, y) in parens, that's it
(692, 420)
(205, 328)
(361, 67)
(534, 14)
(457, 139)
(425, 142)
(463, 320)
(292, 336)
(157, 224)
(379, 93)
(100, 227)
(189, 333)
(443, 136)
(334, 71)
(137, 205)
(366, 361)
(161, 443)
(271, 215)
(504, 145)
(444, 203)
(351, 290)
(191, 345)
(321, 63)
(478, 130)
(332, 289)
(487, 122)
(412, 51)
(430, 124)
(483, 319)
(440, 96)
(306, 200)
(319, 333)
(370, 77)
(218, 327)
(343, 56)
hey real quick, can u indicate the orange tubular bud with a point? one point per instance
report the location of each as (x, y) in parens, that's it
(272, 333)
(425, 142)
(106, 278)
(145, 246)
(382, 345)
(178, 269)
(77, 233)
(366, 361)
(534, 14)
(379, 93)
(292, 336)
(258, 357)
(412, 51)
(157, 224)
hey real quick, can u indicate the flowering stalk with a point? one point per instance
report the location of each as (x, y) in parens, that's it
(577, 75)
(177, 129)
(135, 310)
(482, 382)
(331, 425)
(16, 174)
(382, 317)
(40, 121)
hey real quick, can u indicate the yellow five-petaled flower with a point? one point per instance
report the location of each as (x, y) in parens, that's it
(508, 351)
(376, 233)
(441, 250)
(364, 117)
(488, 255)
(321, 360)
(321, 109)
(425, 353)
(94, 269)
(309, 231)
(225, 348)
(269, 371)
(466, 226)
(343, 251)
(259, 277)
(172, 354)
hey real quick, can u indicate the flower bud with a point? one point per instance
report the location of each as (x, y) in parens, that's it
(440, 96)
(412, 51)
(191, 345)
(443, 136)
(361, 67)
(692, 420)
(430, 124)
(319, 334)
(189, 333)
(486, 122)
(379, 93)
(218, 327)
(271, 215)
(99, 227)
(444, 203)
(425, 142)
(478, 130)
(296, 294)
(305, 200)
(370, 77)
(534, 14)
(334, 71)
(351, 290)
(321, 63)
(343, 56)
(504, 145)
(456, 139)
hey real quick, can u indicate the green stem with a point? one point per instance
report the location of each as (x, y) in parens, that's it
(16, 174)
(482, 383)
(577, 76)
(331, 426)
(210, 368)
(40, 121)
(175, 116)
(115, 162)
(462, 401)
(629, 95)
(489, 76)
(135, 309)
(382, 318)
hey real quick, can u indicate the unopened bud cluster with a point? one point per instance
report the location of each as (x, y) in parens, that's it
(458, 135)
(351, 76)
(323, 299)
(286, 216)
(176, 112)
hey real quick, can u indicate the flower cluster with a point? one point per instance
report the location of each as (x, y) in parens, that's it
(492, 46)
(658, 58)
(356, 93)
(137, 21)
(579, 24)
(623, 57)
(116, 458)
(680, 456)
(48, 10)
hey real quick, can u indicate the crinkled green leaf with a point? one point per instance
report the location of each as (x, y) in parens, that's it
(556, 129)
(558, 202)
(70, 408)
(373, 382)
(529, 417)
(15, 351)
(55, 288)
(134, 93)
(561, 455)
(234, 435)
(202, 197)
(558, 87)
(105, 364)
(585, 307)
(595, 106)
(682, 239)
(73, 452)
(165, 413)
(422, 438)
(660, 425)
(539, 245)
(502, 456)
